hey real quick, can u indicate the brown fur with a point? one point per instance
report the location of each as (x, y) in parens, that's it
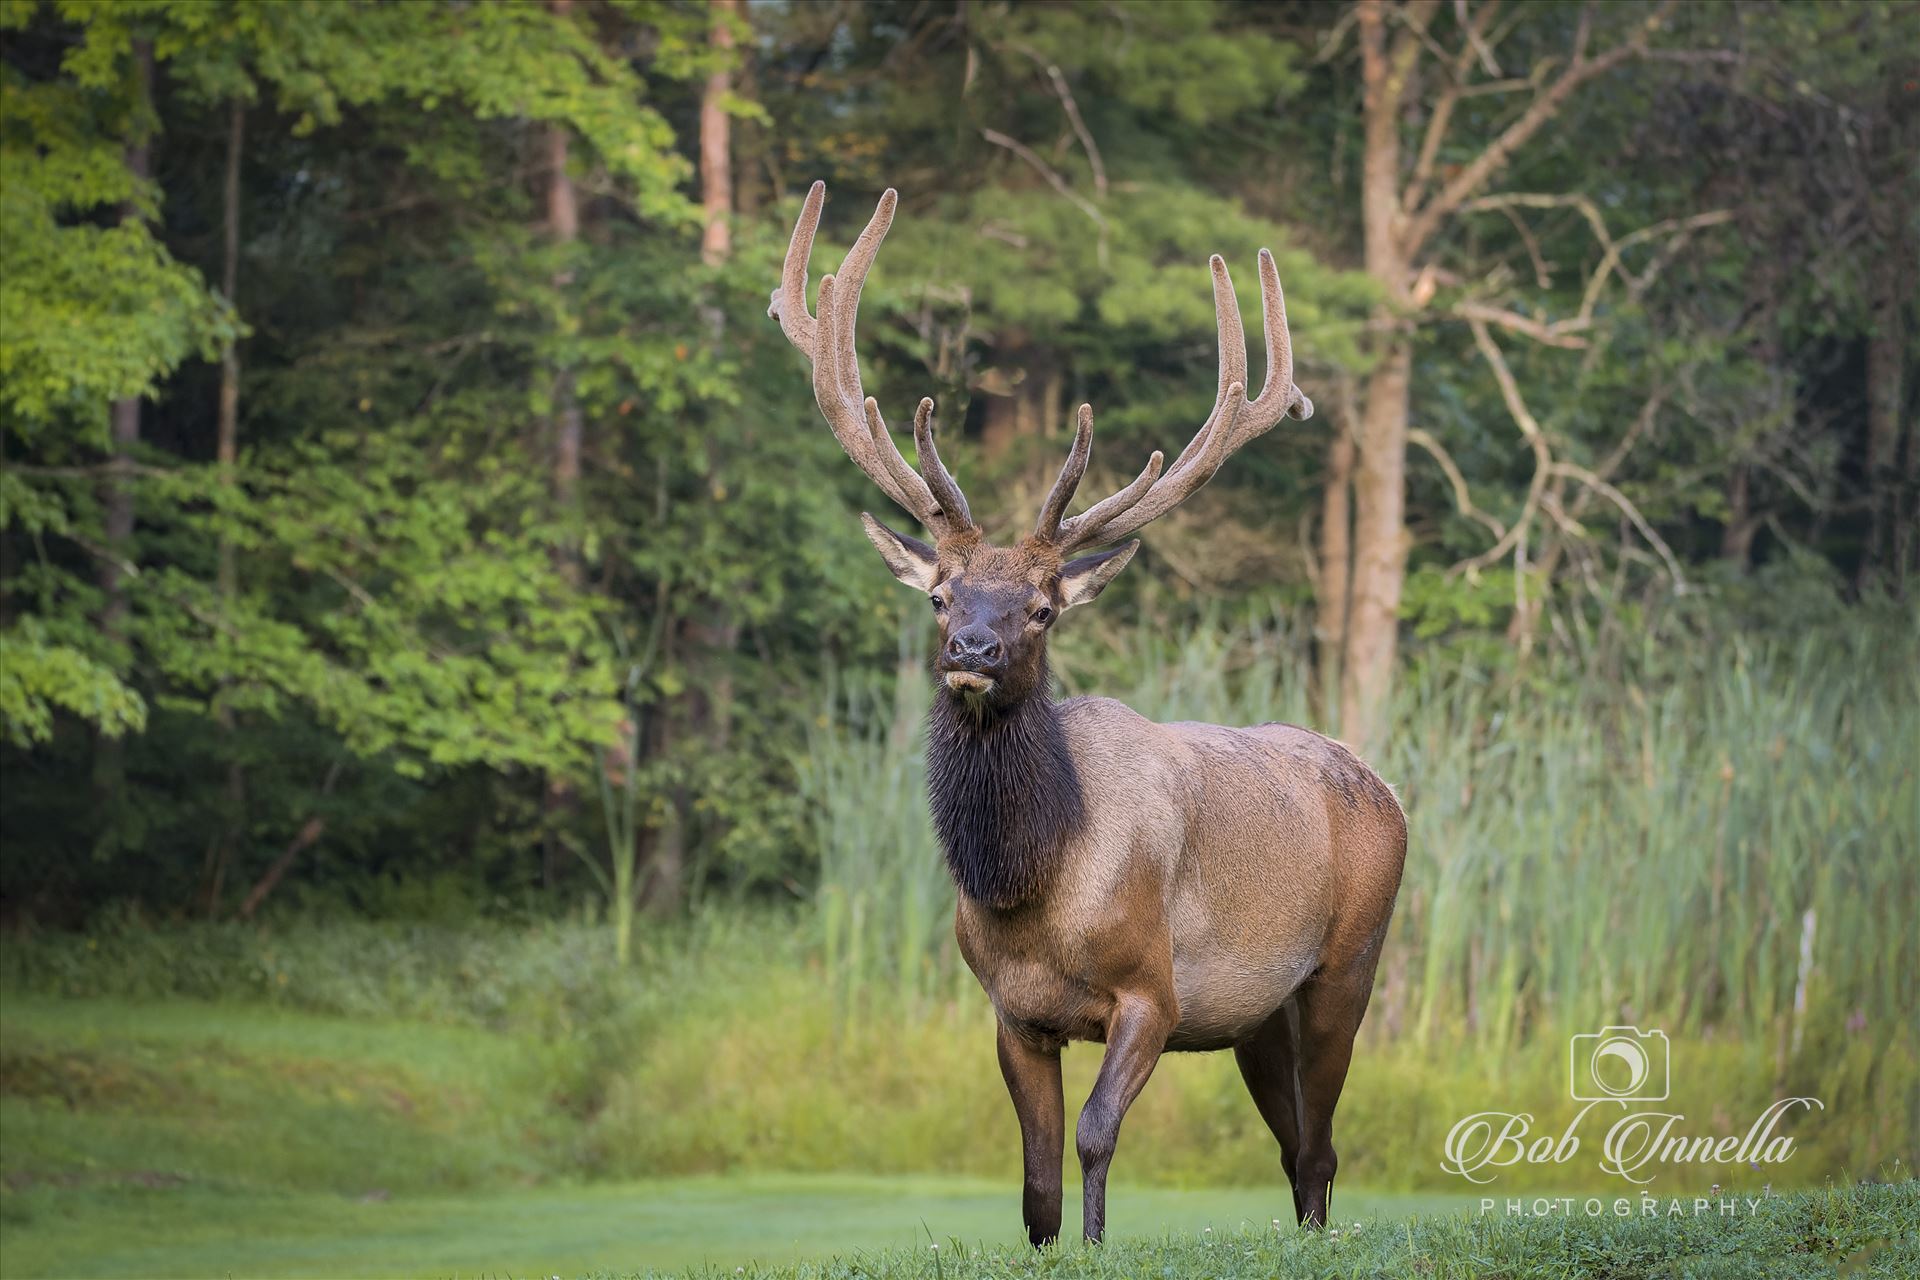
(1218, 886)
(1153, 887)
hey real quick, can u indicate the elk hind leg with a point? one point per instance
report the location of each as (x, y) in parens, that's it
(1331, 1007)
(1267, 1064)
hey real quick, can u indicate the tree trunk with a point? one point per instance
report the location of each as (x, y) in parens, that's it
(1379, 532)
(109, 761)
(1380, 549)
(1336, 561)
(118, 504)
(227, 447)
(563, 224)
(716, 160)
(1736, 540)
(1886, 397)
(705, 709)
(308, 836)
(662, 857)
(227, 454)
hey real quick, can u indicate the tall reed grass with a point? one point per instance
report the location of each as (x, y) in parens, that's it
(1710, 837)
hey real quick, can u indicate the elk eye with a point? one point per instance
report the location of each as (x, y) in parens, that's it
(938, 603)
(1043, 615)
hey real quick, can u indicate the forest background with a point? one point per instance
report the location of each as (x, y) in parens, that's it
(428, 591)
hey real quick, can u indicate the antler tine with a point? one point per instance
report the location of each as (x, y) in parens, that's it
(1203, 457)
(789, 302)
(1071, 471)
(1077, 531)
(828, 342)
(848, 418)
(946, 491)
(1233, 421)
(1288, 399)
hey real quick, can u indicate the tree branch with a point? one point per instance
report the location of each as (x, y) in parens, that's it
(1450, 96)
(1516, 135)
(1054, 180)
(1476, 33)
(1574, 471)
(1462, 497)
(1541, 276)
(1552, 335)
(1080, 129)
(1611, 249)
(1536, 440)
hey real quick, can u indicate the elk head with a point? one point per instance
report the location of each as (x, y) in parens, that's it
(997, 604)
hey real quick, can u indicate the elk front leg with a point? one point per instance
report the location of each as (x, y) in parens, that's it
(1033, 1079)
(1136, 1035)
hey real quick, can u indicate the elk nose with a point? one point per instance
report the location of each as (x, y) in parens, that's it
(974, 644)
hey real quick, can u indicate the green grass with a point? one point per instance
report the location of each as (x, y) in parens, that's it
(1860, 1231)
(795, 1226)
(107, 1092)
(178, 1137)
(655, 1225)
(514, 1057)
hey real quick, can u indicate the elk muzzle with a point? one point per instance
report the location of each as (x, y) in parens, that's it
(973, 659)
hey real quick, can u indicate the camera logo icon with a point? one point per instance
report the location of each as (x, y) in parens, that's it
(1618, 1064)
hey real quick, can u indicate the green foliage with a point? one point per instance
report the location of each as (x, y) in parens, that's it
(38, 677)
(93, 313)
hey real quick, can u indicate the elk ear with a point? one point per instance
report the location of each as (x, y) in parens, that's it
(1083, 579)
(912, 561)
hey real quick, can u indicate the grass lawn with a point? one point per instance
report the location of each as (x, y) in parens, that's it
(821, 1227)
(177, 1138)
(1871, 1231)
(134, 1230)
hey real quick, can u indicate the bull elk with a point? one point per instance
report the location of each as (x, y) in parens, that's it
(1152, 886)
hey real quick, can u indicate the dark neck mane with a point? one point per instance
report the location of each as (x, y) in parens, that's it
(1004, 793)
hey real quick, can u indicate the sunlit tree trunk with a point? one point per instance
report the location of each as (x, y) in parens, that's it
(1379, 491)
(563, 224)
(1336, 560)
(716, 160)
(1398, 227)
(704, 713)
(1380, 545)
